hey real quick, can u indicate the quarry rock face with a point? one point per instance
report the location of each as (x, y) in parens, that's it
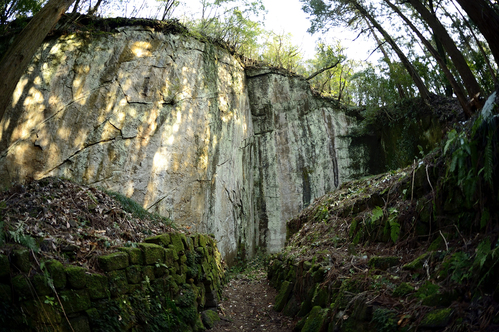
(179, 126)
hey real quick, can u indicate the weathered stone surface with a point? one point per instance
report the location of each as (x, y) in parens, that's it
(166, 120)
(114, 261)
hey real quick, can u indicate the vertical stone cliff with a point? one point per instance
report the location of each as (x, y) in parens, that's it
(179, 126)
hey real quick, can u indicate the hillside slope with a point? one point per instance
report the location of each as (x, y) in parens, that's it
(413, 249)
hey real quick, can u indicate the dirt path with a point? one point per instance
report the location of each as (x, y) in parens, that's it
(247, 305)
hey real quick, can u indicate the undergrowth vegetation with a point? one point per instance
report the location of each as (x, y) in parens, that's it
(414, 248)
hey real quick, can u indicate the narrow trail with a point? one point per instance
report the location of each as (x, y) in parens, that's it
(247, 305)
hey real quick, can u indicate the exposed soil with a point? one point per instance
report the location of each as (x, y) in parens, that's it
(247, 305)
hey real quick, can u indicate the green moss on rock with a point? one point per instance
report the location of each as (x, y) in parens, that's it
(21, 286)
(436, 319)
(283, 295)
(114, 261)
(41, 284)
(4, 266)
(416, 264)
(20, 259)
(118, 284)
(153, 253)
(315, 320)
(75, 300)
(76, 276)
(56, 272)
(161, 240)
(134, 274)
(403, 289)
(97, 286)
(134, 255)
(383, 263)
(209, 318)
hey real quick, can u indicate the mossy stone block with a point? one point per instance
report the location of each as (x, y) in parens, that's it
(180, 279)
(20, 259)
(416, 264)
(75, 300)
(170, 257)
(76, 276)
(177, 243)
(78, 324)
(134, 255)
(152, 253)
(194, 239)
(202, 240)
(283, 295)
(148, 272)
(320, 296)
(315, 320)
(114, 261)
(118, 284)
(48, 314)
(93, 314)
(5, 293)
(383, 263)
(22, 287)
(161, 240)
(4, 266)
(292, 307)
(436, 319)
(57, 273)
(41, 284)
(437, 244)
(403, 289)
(209, 318)
(134, 274)
(97, 286)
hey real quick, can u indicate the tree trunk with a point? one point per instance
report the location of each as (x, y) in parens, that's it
(400, 89)
(423, 91)
(478, 42)
(19, 55)
(457, 57)
(441, 62)
(487, 21)
(441, 52)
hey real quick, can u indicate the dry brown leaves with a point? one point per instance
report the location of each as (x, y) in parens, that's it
(71, 220)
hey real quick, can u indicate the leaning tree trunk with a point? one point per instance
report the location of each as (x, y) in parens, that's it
(19, 55)
(457, 57)
(423, 91)
(487, 21)
(400, 89)
(441, 62)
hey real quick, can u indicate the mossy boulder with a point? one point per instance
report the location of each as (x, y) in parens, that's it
(114, 261)
(283, 295)
(177, 242)
(209, 318)
(153, 253)
(383, 263)
(76, 276)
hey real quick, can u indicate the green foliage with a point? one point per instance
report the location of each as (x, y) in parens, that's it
(138, 211)
(18, 235)
(385, 320)
(376, 214)
(392, 225)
